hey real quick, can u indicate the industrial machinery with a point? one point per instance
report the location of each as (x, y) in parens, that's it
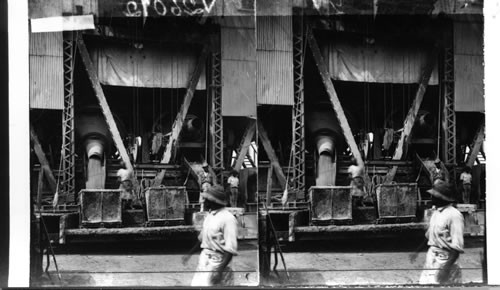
(141, 112)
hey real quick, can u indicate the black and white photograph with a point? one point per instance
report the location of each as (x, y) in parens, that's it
(141, 173)
(251, 143)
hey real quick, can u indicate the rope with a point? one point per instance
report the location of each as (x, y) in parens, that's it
(51, 251)
(276, 244)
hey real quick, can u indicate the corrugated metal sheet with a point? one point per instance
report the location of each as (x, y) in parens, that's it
(46, 71)
(468, 38)
(274, 60)
(51, 8)
(238, 43)
(468, 66)
(275, 77)
(47, 43)
(46, 82)
(239, 88)
(469, 85)
(274, 33)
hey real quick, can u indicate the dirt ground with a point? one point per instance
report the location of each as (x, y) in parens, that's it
(375, 262)
(139, 265)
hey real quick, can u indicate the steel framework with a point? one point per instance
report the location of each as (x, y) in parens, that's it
(298, 141)
(68, 120)
(450, 151)
(216, 119)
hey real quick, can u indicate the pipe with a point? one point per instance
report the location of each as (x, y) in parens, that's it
(96, 171)
(94, 148)
(192, 124)
(192, 129)
(327, 160)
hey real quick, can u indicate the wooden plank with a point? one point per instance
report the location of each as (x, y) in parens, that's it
(245, 144)
(103, 104)
(478, 142)
(179, 120)
(397, 228)
(412, 113)
(39, 189)
(266, 143)
(43, 160)
(269, 185)
(337, 107)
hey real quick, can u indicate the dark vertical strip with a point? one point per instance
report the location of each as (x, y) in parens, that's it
(4, 148)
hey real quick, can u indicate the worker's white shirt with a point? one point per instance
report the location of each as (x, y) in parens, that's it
(355, 170)
(124, 174)
(466, 178)
(233, 181)
(220, 232)
(446, 229)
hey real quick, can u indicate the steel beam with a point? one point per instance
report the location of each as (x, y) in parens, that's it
(298, 130)
(449, 122)
(179, 120)
(68, 121)
(216, 119)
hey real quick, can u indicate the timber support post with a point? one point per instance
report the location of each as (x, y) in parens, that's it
(266, 143)
(337, 106)
(44, 163)
(412, 113)
(181, 116)
(246, 140)
(476, 146)
(103, 104)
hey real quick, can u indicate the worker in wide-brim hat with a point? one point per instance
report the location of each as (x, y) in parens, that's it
(218, 240)
(445, 237)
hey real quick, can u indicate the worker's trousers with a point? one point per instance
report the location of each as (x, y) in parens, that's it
(437, 270)
(209, 272)
(467, 190)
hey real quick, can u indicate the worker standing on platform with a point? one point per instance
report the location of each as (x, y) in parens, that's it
(218, 240)
(445, 238)
(125, 177)
(356, 173)
(206, 181)
(233, 182)
(437, 173)
(466, 178)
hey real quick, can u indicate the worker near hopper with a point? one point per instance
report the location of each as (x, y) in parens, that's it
(437, 172)
(218, 240)
(125, 177)
(445, 237)
(233, 182)
(206, 181)
(356, 173)
(466, 178)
